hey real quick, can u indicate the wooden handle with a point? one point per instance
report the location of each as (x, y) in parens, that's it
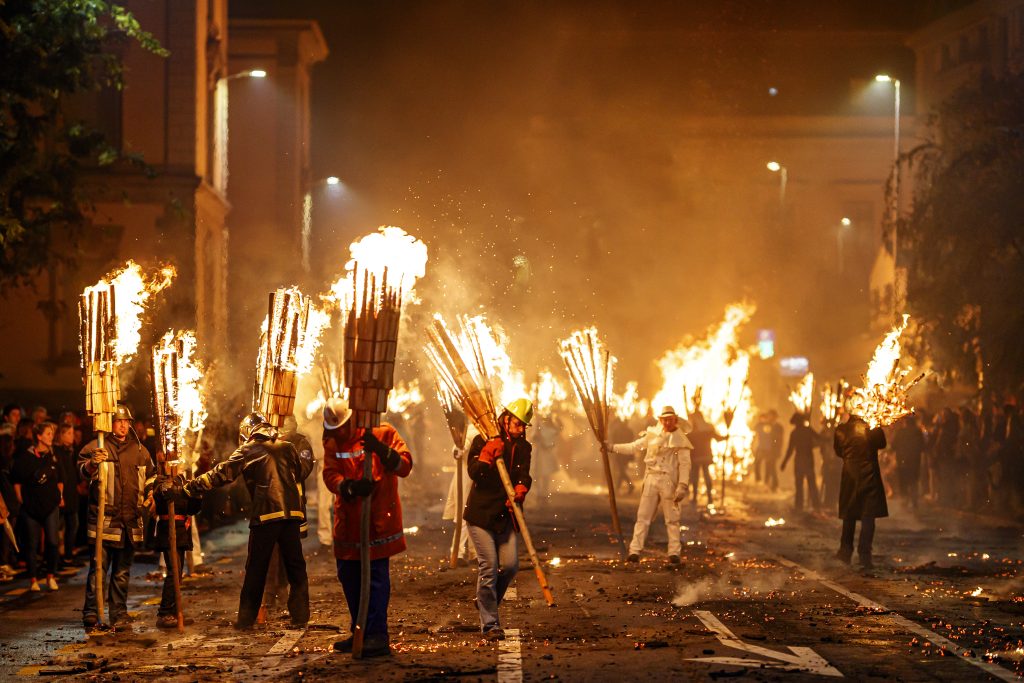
(100, 520)
(359, 632)
(511, 493)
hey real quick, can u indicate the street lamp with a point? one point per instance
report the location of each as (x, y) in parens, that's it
(776, 167)
(248, 73)
(895, 202)
(332, 181)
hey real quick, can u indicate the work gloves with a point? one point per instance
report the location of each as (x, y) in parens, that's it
(389, 457)
(350, 489)
(520, 493)
(492, 450)
(682, 491)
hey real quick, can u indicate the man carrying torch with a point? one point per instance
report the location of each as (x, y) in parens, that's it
(168, 488)
(273, 472)
(489, 514)
(128, 466)
(346, 448)
(666, 452)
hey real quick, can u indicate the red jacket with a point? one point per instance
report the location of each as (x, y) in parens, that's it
(345, 461)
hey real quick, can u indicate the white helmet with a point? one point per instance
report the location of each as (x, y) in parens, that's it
(336, 412)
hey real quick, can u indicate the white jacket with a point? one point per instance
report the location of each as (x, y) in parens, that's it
(664, 452)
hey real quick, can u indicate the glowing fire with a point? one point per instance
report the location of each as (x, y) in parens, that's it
(507, 383)
(555, 561)
(179, 380)
(832, 400)
(391, 248)
(801, 396)
(976, 592)
(295, 334)
(883, 398)
(771, 521)
(404, 396)
(132, 294)
(715, 369)
(548, 393)
(628, 404)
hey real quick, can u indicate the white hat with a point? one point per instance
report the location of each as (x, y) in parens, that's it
(336, 412)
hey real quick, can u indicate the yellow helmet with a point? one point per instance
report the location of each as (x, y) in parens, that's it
(521, 408)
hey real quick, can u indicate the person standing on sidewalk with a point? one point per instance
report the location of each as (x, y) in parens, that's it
(67, 461)
(129, 466)
(488, 513)
(273, 471)
(861, 491)
(666, 451)
(346, 448)
(40, 490)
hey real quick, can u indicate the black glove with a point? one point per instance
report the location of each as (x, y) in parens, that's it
(165, 484)
(388, 456)
(355, 488)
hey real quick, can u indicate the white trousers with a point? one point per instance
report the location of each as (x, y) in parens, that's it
(658, 489)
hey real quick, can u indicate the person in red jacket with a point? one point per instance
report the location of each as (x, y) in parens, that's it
(345, 450)
(488, 511)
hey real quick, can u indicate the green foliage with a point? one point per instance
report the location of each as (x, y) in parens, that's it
(49, 50)
(964, 239)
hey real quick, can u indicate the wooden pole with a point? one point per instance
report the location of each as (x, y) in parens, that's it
(611, 500)
(359, 632)
(175, 567)
(457, 538)
(518, 513)
(100, 521)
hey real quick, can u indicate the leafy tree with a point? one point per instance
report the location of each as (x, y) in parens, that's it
(50, 50)
(964, 239)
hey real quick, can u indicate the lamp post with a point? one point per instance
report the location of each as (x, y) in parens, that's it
(895, 202)
(331, 181)
(776, 167)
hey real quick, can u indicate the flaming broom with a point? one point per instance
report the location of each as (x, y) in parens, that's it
(883, 398)
(371, 344)
(172, 371)
(106, 341)
(458, 427)
(590, 368)
(728, 413)
(459, 365)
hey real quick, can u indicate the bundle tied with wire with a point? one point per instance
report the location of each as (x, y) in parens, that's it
(97, 336)
(281, 344)
(591, 367)
(459, 366)
(371, 345)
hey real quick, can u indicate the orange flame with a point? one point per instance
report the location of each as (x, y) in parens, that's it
(132, 294)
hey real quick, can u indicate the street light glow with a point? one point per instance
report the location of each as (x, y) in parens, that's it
(333, 180)
(845, 221)
(883, 78)
(774, 166)
(258, 73)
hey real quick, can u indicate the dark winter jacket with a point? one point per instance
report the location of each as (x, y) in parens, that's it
(128, 468)
(184, 508)
(68, 462)
(802, 442)
(305, 451)
(908, 443)
(273, 471)
(39, 476)
(485, 506)
(861, 491)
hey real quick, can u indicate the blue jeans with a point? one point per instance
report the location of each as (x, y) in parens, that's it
(349, 574)
(498, 558)
(32, 527)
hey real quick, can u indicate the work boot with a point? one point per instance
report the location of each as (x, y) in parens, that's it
(865, 562)
(843, 555)
(343, 645)
(496, 633)
(89, 621)
(633, 557)
(167, 621)
(376, 647)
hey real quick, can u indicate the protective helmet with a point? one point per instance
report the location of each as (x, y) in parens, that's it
(336, 412)
(521, 408)
(121, 412)
(249, 424)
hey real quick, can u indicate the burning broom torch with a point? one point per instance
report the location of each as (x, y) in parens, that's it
(458, 427)
(165, 359)
(371, 345)
(590, 369)
(459, 365)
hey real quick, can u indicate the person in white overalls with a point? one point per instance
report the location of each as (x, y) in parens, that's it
(666, 454)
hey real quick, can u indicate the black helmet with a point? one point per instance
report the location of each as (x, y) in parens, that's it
(121, 412)
(249, 424)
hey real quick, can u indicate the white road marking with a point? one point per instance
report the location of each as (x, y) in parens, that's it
(510, 658)
(511, 593)
(185, 642)
(904, 623)
(803, 658)
(287, 641)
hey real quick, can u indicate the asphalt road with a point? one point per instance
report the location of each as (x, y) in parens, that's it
(750, 601)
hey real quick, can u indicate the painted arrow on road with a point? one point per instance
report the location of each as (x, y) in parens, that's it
(803, 658)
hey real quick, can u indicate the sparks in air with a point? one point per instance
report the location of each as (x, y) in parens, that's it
(771, 522)
(404, 396)
(802, 396)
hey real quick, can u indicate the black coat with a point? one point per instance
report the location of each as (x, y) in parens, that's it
(485, 506)
(861, 491)
(273, 471)
(802, 442)
(131, 467)
(184, 508)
